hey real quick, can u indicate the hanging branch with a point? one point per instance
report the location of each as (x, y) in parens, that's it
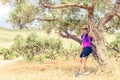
(65, 5)
(69, 36)
(46, 19)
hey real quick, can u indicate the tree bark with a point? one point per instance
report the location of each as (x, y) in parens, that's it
(102, 52)
(97, 32)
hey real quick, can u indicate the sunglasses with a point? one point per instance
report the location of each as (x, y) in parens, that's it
(84, 28)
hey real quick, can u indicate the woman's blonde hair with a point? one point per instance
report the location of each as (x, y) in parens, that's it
(85, 26)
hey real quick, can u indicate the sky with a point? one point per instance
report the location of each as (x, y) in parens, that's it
(4, 14)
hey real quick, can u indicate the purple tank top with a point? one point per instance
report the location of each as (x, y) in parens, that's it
(86, 40)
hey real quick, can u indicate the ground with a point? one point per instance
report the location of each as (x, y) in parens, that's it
(51, 70)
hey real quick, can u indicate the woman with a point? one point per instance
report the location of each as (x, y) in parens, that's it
(86, 48)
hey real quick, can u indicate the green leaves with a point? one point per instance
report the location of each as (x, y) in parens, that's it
(56, 44)
(23, 13)
(104, 6)
(85, 2)
(18, 40)
(7, 53)
(31, 40)
(19, 45)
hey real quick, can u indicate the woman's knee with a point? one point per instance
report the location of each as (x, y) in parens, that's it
(83, 60)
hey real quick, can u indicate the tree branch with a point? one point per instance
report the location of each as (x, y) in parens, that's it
(113, 48)
(110, 15)
(93, 3)
(46, 19)
(69, 36)
(40, 19)
(64, 5)
(105, 19)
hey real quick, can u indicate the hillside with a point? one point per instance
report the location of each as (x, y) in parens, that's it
(7, 36)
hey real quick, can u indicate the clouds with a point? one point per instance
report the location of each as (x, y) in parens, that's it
(4, 10)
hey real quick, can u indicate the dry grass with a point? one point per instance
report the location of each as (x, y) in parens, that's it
(53, 70)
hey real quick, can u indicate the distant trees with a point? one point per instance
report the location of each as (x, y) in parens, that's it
(34, 45)
(19, 45)
(114, 46)
(6, 53)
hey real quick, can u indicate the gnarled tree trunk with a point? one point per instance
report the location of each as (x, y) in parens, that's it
(98, 36)
(97, 32)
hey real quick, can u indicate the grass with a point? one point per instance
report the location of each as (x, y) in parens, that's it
(52, 70)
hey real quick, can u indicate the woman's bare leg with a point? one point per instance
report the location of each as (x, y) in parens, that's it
(82, 68)
(80, 63)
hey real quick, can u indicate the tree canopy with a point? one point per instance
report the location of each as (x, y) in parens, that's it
(23, 13)
(70, 14)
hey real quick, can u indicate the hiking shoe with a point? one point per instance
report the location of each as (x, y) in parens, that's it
(78, 74)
